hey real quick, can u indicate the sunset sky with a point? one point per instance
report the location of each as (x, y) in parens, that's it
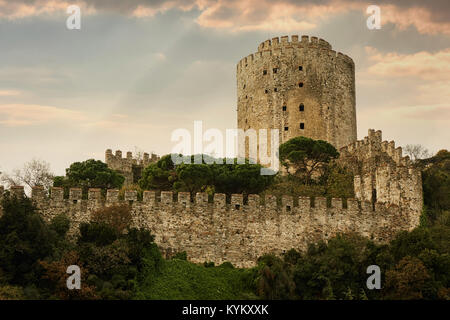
(137, 70)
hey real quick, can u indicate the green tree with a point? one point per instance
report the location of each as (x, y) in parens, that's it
(193, 178)
(24, 239)
(90, 174)
(159, 176)
(240, 178)
(436, 181)
(407, 280)
(305, 156)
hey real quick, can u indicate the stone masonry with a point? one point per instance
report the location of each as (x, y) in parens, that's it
(300, 87)
(131, 168)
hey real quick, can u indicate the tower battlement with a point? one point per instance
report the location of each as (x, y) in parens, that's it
(299, 86)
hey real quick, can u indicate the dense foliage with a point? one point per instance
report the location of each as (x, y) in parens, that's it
(208, 176)
(121, 262)
(89, 174)
(305, 157)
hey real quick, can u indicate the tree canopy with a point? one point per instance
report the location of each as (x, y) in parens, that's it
(305, 156)
(225, 178)
(90, 174)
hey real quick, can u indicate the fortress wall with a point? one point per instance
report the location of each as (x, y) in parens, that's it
(269, 79)
(383, 172)
(236, 232)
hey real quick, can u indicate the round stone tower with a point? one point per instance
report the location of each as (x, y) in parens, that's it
(302, 88)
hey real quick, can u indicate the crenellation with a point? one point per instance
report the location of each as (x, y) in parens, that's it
(336, 203)
(166, 197)
(237, 201)
(130, 196)
(366, 206)
(254, 201)
(320, 203)
(95, 194)
(201, 198)
(184, 198)
(57, 194)
(17, 191)
(270, 202)
(398, 155)
(352, 205)
(391, 149)
(220, 200)
(112, 195)
(38, 194)
(149, 197)
(304, 202)
(287, 203)
(75, 194)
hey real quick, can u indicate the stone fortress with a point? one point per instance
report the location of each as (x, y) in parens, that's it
(388, 189)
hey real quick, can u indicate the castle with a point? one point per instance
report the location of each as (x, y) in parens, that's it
(388, 189)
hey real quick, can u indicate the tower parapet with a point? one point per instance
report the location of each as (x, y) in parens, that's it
(130, 167)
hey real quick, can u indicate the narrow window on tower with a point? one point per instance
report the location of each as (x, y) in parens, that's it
(301, 107)
(275, 70)
(300, 68)
(266, 91)
(286, 128)
(300, 84)
(302, 125)
(284, 108)
(264, 72)
(244, 86)
(275, 89)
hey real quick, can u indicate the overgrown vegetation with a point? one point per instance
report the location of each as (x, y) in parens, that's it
(121, 262)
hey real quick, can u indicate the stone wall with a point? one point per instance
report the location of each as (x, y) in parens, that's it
(236, 232)
(270, 96)
(383, 174)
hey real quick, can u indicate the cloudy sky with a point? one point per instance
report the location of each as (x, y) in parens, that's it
(139, 69)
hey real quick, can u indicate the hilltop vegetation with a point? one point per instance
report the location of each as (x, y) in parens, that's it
(120, 262)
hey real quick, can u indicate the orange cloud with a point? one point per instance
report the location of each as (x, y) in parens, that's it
(419, 17)
(241, 15)
(15, 115)
(421, 65)
(6, 93)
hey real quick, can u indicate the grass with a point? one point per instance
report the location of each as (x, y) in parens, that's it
(183, 280)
